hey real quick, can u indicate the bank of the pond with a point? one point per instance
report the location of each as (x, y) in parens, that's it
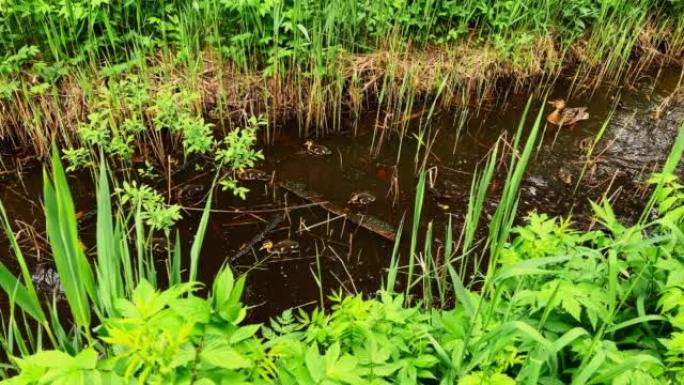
(321, 75)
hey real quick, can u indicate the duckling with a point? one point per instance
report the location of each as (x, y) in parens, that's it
(192, 194)
(446, 192)
(46, 278)
(283, 247)
(565, 175)
(443, 207)
(316, 149)
(85, 216)
(361, 198)
(252, 174)
(563, 116)
(585, 144)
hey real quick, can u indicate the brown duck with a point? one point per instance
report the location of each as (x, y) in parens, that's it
(563, 116)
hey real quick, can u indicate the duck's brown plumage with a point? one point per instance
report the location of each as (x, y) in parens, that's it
(563, 116)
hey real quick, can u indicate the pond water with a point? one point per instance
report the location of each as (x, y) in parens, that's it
(643, 123)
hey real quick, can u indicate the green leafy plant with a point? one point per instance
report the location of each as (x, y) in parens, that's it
(237, 152)
(156, 213)
(565, 306)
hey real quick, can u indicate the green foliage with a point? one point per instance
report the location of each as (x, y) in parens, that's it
(479, 378)
(156, 213)
(62, 231)
(171, 336)
(58, 368)
(275, 33)
(603, 306)
(236, 152)
(77, 158)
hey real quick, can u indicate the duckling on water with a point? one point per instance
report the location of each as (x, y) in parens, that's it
(283, 247)
(316, 149)
(361, 198)
(249, 174)
(563, 116)
(192, 194)
(565, 175)
(447, 191)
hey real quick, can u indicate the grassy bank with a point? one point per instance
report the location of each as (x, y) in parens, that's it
(305, 59)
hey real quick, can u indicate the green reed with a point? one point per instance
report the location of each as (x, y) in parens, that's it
(91, 288)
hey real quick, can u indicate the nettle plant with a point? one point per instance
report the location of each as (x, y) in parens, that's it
(118, 126)
(117, 123)
(671, 210)
(173, 111)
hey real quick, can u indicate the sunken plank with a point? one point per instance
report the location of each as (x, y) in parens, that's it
(368, 222)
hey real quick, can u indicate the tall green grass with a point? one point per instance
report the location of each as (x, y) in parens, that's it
(91, 287)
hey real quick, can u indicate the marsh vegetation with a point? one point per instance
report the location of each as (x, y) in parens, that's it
(342, 192)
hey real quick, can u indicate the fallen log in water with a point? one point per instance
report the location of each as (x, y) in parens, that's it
(368, 222)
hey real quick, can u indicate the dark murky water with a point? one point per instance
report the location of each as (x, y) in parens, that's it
(636, 140)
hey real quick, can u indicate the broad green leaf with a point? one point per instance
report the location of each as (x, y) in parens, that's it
(244, 333)
(220, 354)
